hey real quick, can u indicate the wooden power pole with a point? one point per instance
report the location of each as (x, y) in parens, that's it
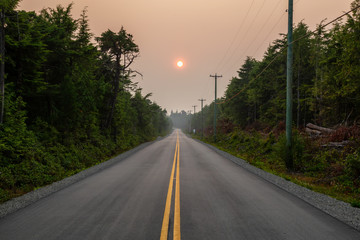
(202, 117)
(289, 82)
(216, 77)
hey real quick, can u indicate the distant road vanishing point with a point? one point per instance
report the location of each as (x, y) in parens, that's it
(175, 188)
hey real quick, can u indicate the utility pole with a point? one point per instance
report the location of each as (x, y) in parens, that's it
(216, 77)
(194, 106)
(189, 121)
(289, 82)
(2, 65)
(202, 117)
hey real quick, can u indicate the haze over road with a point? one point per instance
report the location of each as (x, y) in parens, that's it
(217, 199)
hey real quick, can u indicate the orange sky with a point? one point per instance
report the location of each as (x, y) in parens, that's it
(210, 36)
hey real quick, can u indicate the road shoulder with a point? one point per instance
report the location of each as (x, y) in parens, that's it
(335, 208)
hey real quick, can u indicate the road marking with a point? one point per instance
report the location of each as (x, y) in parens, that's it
(177, 235)
(165, 223)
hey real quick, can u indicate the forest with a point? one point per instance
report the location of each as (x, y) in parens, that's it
(68, 101)
(326, 90)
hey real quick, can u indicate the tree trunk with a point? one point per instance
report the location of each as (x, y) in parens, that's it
(318, 128)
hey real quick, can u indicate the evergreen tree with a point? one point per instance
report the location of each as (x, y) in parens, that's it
(120, 51)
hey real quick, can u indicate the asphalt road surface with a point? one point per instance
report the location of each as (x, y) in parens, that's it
(147, 196)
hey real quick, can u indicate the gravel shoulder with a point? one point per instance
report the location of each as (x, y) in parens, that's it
(335, 208)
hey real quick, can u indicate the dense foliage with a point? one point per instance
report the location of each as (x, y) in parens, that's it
(326, 92)
(69, 104)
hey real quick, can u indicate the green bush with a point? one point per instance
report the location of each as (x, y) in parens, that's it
(353, 164)
(7, 180)
(15, 139)
(320, 162)
(4, 195)
(297, 152)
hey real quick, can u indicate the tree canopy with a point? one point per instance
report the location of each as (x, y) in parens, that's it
(69, 103)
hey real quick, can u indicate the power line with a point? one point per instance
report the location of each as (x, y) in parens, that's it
(246, 33)
(257, 76)
(261, 29)
(323, 26)
(236, 35)
(241, 26)
(206, 90)
(281, 50)
(267, 36)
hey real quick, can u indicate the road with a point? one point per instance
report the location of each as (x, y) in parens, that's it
(174, 188)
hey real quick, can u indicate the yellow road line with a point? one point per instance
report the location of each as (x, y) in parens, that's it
(177, 234)
(165, 223)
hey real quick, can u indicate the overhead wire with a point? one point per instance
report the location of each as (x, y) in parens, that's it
(271, 31)
(327, 24)
(272, 61)
(241, 27)
(206, 89)
(257, 34)
(246, 33)
(268, 18)
(208, 92)
(267, 36)
(281, 50)
(236, 35)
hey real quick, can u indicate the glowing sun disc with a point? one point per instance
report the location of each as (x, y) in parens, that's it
(180, 64)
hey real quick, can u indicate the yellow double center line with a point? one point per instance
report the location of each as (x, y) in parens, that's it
(166, 219)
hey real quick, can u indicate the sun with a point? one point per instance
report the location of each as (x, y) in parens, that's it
(180, 64)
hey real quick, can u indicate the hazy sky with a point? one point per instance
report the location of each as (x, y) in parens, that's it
(210, 36)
